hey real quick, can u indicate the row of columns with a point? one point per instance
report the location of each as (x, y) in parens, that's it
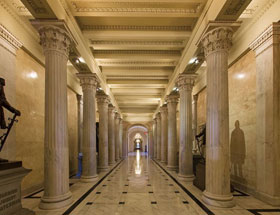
(216, 44)
(56, 41)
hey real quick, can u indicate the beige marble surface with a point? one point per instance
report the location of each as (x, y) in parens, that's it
(138, 172)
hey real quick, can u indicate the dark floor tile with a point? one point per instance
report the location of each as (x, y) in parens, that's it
(121, 203)
(153, 203)
(151, 192)
(89, 203)
(177, 192)
(124, 192)
(185, 202)
(98, 192)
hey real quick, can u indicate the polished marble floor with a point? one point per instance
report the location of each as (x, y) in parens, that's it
(139, 185)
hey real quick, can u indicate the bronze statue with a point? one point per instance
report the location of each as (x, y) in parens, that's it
(4, 103)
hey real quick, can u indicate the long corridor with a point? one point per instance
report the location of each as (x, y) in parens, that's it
(140, 185)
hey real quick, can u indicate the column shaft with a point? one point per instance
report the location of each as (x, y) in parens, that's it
(55, 42)
(80, 122)
(172, 101)
(216, 45)
(89, 83)
(102, 102)
(155, 138)
(164, 134)
(194, 125)
(111, 134)
(158, 137)
(185, 84)
(117, 136)
(120, 139)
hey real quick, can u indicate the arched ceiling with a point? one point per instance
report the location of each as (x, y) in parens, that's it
(137, 47)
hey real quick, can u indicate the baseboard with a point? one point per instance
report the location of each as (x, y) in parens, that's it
(32, 189)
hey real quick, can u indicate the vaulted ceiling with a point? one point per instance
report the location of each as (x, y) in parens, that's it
(138, 47)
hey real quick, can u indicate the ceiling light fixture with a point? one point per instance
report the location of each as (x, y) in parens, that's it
(192, 60)
(82, 60)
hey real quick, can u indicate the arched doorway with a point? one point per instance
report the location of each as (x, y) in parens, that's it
(138, 138)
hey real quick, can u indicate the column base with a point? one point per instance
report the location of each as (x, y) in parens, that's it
(172, 168)
(103, 168)
(112, 164)
(50, 203)
(163, 162)
(187, 178)
(225, 201)
(89, 179)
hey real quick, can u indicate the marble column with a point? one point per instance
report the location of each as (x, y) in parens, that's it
(267, 51)
(124, 140)
(194, 123)
(151, 143)
(117, 136)
(164, 134)
(89, 84)
(55, 42)
(172, 101)
(216, 44)
(102, 103)
(185, 84)
(158, 136)
(155, 138)
(80, 121)
(111, 134)
(120, 138)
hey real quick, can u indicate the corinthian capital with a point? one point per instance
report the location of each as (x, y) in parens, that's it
(102, 98)
(88, 80)
(173, 97)
(53, 38)
(218, 39)
(186, 81)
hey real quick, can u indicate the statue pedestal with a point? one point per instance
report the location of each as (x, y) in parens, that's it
(11, 175)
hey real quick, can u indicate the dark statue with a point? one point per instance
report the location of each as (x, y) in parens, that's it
(5, 104)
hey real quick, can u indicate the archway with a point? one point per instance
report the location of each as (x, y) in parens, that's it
(135, 132)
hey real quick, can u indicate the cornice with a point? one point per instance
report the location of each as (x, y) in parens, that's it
(136, 63)
(136, 42)
(135, 28)
(9, 37)
(270, 32)
(136, 9)
(137, 52)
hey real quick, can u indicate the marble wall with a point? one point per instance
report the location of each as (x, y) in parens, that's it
(25, 90)
(7, 71)
(242, 120)
(72, 131)
(30, 93)
(201, 109)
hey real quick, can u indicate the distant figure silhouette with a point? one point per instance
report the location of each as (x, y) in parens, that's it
(237, 149)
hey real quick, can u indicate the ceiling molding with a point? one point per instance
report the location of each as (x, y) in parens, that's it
(138, 52)
(135, 28)
(129, 63)
(137, 42)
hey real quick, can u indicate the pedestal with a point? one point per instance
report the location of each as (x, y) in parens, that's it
(11, 175)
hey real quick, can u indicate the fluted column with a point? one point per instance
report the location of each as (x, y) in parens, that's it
(172, 101)
(185, 83)
(102, 103)
(155, 138)
(117, 136)
(89, 83)
(217, 43)
(151, 143)
(55, 42)
(111, 134)
(80, 121)
(194, 124)
(124, 140)
(120, 138)
(158, 136)
(164, 134)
